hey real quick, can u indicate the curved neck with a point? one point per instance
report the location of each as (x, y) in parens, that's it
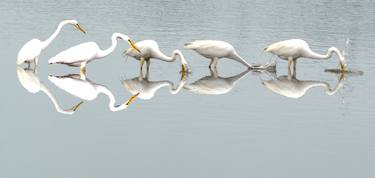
(339, 84)
(337, 51)
(112, 101)
(237, 77)
(54, 35)
(174, 90)
(103, 53)
(182, 58)
(171, 58)
(53, 99)
(159, 55)
(312, 54)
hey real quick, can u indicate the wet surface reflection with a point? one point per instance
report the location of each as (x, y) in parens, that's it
(291, 87)
(31, 82)
(145, 88)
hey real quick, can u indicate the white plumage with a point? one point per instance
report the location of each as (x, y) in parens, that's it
(84, 53)
(293, 49)
(215, 50)
(150, 50)
(33, 48)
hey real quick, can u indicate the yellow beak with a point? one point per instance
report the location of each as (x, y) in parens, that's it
(75, 107)
(78, 27)
(132, 44)
(131, 99)
(183, 72)
(342, 67)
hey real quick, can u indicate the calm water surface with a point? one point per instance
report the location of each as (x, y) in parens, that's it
(246, 130)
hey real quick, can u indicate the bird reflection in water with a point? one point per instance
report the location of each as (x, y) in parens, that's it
(146, 89)
(214, 84)
(291, 87)
(31, 82)
(83, 88)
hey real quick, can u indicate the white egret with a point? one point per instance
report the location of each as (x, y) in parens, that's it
(292, 87)
(147, 88)
(30, 81)
(150, 50)
(293, 49)
(32, 49)
(84, 53)
(87, 90)
(214, 84)
(214, 50)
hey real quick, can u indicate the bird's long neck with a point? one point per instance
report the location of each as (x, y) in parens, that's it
(239, 59)
(312, 54)
(103, 53)
(237, 77)
(172, 58)
(112, 101)
(175, 89)
(158, 54)
(176, 53)
(54, 35)
(337, 51)
(332, 91)
(53, 99)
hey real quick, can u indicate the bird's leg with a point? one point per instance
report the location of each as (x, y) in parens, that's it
(35, 65)
(214, 62)
(214, 72)
(148, 62)
(290, 70)
(82, 70)
(36, 61)
(290, 62)
(294, 63)
(142, 61)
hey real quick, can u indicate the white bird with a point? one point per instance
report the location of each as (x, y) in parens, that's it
(214, 84)
(32, 49)
(30, 81)
(293, 49)
(150, 50)
(214, 50)
(87, 90)
(291, 87)
(84, 53)
(147, 88)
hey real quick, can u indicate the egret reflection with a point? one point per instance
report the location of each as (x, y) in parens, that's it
(31, 82)
(146, 88)
(81, 87)
(213, 84)
(291, 87)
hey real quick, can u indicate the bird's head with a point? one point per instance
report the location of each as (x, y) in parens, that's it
(341, 57)
(76, 25)
(132, 45)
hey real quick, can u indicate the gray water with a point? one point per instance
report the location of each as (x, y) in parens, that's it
(250, 131)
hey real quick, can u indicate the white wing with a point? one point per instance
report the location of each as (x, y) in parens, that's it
(76, 54)
(76, 87)
(29, 51)
(211, 48)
